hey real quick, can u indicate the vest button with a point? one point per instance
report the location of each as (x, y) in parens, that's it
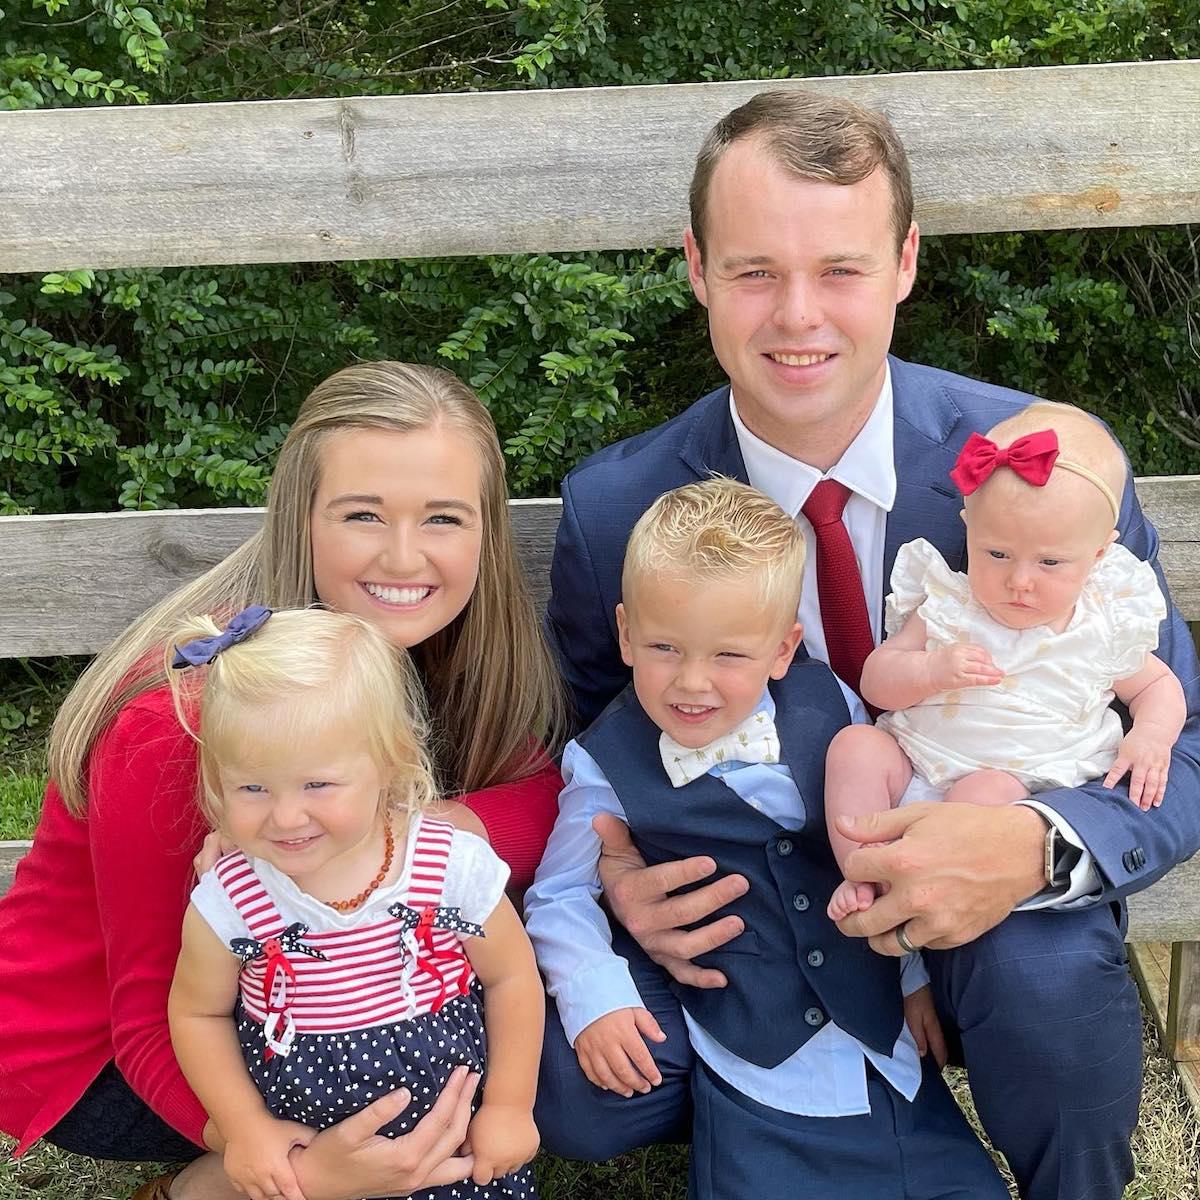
(800, 902)
(815, 958)
(813, 1016)
(784, 846)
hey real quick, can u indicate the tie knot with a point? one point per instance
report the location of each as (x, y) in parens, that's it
(825, 504)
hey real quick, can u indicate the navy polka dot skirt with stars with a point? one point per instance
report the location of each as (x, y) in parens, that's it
(331, 1020)
(326, 1077)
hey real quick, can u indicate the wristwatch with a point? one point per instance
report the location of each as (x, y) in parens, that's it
(1058, 858)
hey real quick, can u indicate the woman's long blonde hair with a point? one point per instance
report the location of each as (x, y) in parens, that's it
(489, 677)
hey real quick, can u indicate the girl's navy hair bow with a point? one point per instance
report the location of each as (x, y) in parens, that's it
(202, 651)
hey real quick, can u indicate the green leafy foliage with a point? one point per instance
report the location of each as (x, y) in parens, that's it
(152, 388)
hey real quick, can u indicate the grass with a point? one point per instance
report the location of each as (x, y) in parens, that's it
(1166, 1149)
(20, 802)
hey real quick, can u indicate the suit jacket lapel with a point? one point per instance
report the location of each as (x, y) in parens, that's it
(927, 503)
(712, 444)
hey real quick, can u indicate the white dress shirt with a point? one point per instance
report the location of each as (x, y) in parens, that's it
(868, 469)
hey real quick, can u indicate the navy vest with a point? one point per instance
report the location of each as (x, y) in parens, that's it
(791, 971)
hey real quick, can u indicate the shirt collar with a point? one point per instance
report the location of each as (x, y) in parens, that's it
(868, 466)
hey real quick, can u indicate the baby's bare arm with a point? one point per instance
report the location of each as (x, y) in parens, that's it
(901, 672)
(1159, 709)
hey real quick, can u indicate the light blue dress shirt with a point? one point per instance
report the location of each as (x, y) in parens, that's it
(826, 1077)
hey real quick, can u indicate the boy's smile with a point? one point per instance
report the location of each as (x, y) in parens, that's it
(702, 652)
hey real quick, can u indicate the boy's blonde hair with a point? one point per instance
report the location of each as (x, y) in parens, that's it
(305, 676)
(719, 530)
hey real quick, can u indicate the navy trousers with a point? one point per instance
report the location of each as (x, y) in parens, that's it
(1051, 1037)
(925, 1150)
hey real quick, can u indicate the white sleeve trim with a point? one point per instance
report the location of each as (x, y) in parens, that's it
(475, 877)
(212, 902)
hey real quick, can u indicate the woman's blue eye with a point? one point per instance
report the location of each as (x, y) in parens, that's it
(366, 515)
(445, 519)
(315, 784)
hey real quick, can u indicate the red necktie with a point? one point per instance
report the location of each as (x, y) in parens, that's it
(848, 638)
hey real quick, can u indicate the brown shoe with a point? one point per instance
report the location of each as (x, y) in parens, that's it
(156, 1189)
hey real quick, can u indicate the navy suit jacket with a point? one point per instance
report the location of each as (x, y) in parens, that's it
(935, 412)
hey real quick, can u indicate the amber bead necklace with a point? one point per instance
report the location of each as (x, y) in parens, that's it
(389, 848)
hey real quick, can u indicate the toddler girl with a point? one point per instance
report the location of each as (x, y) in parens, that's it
(1000, 680)
(337, 954)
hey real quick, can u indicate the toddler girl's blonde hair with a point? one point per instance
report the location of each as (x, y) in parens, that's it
(306, 675)
(719, 530)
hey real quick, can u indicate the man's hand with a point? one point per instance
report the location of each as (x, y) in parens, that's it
(638, 896)
(953, 871)
(962, 665)
(612, 1051)
(352, 1158)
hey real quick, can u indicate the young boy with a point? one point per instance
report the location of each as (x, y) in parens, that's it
(717, 748)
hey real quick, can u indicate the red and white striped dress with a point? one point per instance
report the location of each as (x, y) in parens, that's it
(332, 1019)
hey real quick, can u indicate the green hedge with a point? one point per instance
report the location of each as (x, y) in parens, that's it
(157, 388)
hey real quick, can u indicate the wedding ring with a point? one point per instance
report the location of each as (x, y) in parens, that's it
(902, 938)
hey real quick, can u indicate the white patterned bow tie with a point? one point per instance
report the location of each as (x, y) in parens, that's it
(753, 741)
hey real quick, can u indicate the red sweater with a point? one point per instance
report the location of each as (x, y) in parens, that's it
(89, 931)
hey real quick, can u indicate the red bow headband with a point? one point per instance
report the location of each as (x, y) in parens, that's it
(1032, 457)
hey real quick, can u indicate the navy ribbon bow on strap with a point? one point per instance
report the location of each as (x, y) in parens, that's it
(202, 651)
(290, 941)
(427, 918)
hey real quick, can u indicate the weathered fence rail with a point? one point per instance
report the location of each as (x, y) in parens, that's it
(591, 168)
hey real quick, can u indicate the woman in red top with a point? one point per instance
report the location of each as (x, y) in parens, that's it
(389, 501)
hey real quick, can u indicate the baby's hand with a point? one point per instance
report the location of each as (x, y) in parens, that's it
(1145, 756)
(613, 1054)
(256, 1158)
(850, 897)
(962, 665)
(923, 1021)
(502, 1137)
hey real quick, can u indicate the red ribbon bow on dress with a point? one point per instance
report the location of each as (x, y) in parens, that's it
(279, 981)
(1031, 457)
(420, 924)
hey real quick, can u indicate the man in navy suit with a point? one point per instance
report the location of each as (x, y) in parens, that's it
(800, 247)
